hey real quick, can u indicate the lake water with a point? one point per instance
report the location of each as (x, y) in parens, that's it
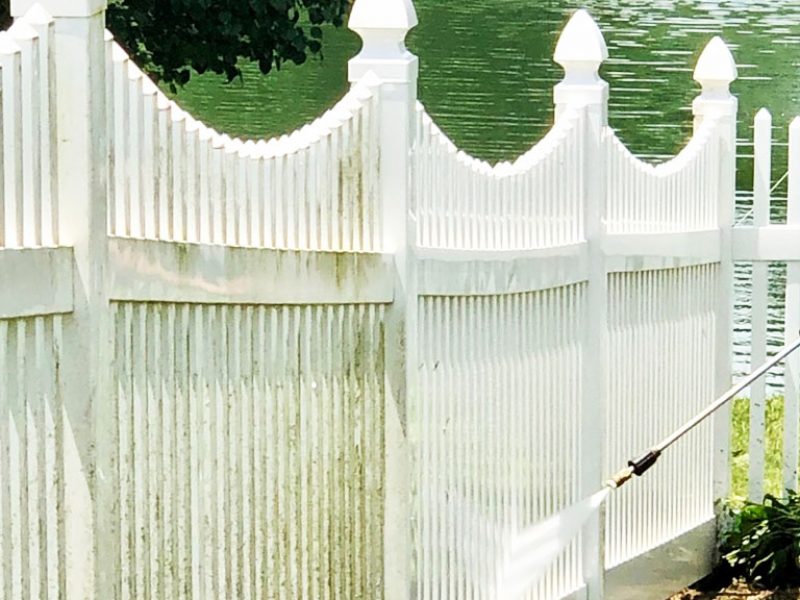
(486, 75)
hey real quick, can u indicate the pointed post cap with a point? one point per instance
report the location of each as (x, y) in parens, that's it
(37, 15)
(383, 14)
(581, 49)
(8, 46)
(383, 26)
(715, 69)
(61, 8)
(22, 30)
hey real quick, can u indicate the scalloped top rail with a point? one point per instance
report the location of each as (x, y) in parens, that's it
(539, 200)
(681, 194)
(465, 203)
(174, 178)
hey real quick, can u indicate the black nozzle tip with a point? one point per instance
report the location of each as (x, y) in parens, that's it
(641, 464)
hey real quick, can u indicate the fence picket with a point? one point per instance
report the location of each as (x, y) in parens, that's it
(31, 117)
(791, 409)
(762, 149)
(11, 65)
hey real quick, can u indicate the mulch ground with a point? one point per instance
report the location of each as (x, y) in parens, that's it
(734, 591)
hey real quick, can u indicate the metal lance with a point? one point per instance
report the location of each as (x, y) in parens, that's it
(640, 465)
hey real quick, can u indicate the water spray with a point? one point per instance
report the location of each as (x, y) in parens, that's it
(640, 465)
(528, 553)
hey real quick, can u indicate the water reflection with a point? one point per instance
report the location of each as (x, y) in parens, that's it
(487, 76)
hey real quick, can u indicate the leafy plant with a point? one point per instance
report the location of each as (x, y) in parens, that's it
(761, 542)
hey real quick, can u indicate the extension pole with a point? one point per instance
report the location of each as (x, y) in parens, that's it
(641, 464)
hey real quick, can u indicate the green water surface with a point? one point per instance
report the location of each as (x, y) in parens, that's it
(487, 73)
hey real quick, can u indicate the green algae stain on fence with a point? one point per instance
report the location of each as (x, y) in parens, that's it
(183, 257)
(342, 263)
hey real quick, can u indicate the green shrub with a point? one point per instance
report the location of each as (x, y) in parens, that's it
(761, 542)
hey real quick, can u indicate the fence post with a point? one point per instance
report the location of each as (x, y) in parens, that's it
(79, 57)
(715, 71)
(383, 26)
(581, 50)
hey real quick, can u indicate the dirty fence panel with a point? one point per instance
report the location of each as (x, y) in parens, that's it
(250, 443)
(32, 434)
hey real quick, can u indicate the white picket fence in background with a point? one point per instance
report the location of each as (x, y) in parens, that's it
(766, 244)
(343, 362)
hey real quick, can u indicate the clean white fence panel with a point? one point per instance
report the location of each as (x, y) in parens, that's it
(497, 434)
(653, 389)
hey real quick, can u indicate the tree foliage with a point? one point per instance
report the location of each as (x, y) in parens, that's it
(169, 38)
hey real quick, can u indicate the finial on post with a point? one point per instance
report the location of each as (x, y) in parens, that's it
(581, 50)
(715, 71)
(37, 15)
(383, 26)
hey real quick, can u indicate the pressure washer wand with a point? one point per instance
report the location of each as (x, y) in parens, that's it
(643, 463)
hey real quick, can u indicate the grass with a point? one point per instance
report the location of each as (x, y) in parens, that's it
(773, 446)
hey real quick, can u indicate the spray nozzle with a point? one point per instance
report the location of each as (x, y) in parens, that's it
(620, 478)
(644, 462)
(635, 467)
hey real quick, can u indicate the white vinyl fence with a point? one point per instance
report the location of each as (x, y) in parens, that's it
(347, 361)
